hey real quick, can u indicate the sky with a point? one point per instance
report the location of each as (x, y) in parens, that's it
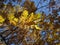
(42, 4)
(46, 10)
(36, 3)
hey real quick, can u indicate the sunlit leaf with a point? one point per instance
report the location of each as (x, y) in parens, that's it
(38, 20)
(38, 15)
(1, 19)
(12, 22)
(25, 13)
(31, 17)
(37, 27)
(16, 19)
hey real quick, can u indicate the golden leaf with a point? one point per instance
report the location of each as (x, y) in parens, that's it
(16, 19)
(37, 27)
(31, 17)
(1, 19)
(25, 13)
(13, 22)
(37, 16)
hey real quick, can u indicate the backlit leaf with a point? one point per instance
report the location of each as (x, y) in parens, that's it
(25, 13)
(31, 17)
(16, 19)
(37, 27)
(1, 19)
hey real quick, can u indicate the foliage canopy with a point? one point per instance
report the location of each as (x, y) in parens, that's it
(20, 24)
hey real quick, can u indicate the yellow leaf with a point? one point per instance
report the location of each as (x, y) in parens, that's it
(12, 22)
(37, 27)
(12, 19)
(1, 19)
(22, 19)
(37, 16)
(16, 19)
(36, 21)
(31, 17)
(25, 13)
